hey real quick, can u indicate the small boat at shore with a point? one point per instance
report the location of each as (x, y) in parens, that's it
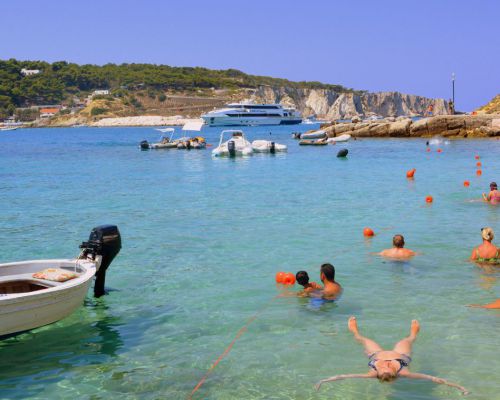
(166, 141)
(266, 146)
(314, 135)
(39, 292)
(8, 128)
(237, 145)
(342, 138)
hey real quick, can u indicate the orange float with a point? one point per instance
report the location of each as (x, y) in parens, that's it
(289, 279)
(439, 150)
(428, 149)
(429, 199)
(476, 157)
(368, 232)
(279, 277)
(479, 172)
(466, 183)
(410, 173)
(478, 164)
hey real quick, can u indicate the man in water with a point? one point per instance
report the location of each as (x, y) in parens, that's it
(331, 289)
(398, 251)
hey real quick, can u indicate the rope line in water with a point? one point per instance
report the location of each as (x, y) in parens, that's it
(242, 330)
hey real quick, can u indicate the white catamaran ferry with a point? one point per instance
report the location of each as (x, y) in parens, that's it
(238, 114)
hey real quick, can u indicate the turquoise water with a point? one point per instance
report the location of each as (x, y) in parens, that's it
(202, 241)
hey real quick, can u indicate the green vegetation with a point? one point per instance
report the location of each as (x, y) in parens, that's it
(60, 81)
(98, 111)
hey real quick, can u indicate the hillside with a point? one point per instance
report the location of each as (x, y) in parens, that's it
(493, 107)
(60, 82)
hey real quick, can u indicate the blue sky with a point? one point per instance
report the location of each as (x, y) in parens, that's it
(407, 46)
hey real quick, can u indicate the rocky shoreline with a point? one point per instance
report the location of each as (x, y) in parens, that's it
(459, 126)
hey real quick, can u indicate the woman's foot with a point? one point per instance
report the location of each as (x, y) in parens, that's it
(415, 328)
(352, 324)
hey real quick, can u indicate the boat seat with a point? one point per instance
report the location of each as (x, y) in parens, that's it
(29, 277)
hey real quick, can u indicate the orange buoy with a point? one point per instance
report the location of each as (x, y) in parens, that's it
(429, 199)
(466, 183)
(289, 279)
(439, 150)
(478, 164)
(428, 149)
(368, 232)
(477, 157)
(479, 172)
(410, 173)
(279, 277)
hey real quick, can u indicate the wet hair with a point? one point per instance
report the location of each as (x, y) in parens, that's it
(398, 241)
(387, 377)
(487, 234)
(302, 278)
(493, 185)
(329, 271)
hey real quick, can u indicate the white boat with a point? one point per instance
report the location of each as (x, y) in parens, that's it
(32, 293)
(342, 138)
(8, 128)
(314, 135)
(249, 114)
(166, 141)
(267, 146)
(237, 145)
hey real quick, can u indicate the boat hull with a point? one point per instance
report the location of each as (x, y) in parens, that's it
(249, 121)
(20, 312)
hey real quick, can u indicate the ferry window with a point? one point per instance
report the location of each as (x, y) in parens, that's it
(286, 114)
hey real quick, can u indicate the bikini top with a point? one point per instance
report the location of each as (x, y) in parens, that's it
(492, 260)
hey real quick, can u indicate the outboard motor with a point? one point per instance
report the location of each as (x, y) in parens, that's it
(342, 153)
(272, 149)
(105, 241)
(144, 145)
(231, 148)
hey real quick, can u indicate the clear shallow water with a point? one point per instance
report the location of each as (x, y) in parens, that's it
(202, 241)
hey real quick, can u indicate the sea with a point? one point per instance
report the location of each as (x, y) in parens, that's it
(193, 310)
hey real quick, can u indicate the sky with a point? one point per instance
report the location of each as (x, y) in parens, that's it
(407, 46)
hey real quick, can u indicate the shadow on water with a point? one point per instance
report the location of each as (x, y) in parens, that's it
(413, 389)
(46, 354)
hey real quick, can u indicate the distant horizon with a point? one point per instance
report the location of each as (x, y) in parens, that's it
(411, 48)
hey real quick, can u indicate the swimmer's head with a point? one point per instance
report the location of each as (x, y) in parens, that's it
(493, 186)
(487, 234)
(302, 278)
(327, 272)
(387, 371)
(387, 376)
(398, 241)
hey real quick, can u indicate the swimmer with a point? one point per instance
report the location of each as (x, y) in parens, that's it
(398, 251)
(303, 279)
(388, 365)
(494, 195)
(494, 305)
(486, 252)
(331, 289)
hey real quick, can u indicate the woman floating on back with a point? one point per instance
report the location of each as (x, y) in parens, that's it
(388, 365)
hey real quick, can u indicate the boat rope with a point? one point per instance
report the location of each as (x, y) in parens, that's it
(242, 330)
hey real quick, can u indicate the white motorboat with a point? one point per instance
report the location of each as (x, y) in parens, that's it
(342, 138)
(267, 146)
(166, 141)
(237, 145)
(8, 128)
(40, 292)
(238, 114)
(314, 135)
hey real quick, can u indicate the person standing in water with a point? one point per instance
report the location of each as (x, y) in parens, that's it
(494, 195)
(486, 252)
(331, 289)
(398, 251)
(388, 365)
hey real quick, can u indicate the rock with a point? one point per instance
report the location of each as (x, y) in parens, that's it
(379, 129)
(400, 128)
(419, 128)
(355, 119)
(437, 126)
